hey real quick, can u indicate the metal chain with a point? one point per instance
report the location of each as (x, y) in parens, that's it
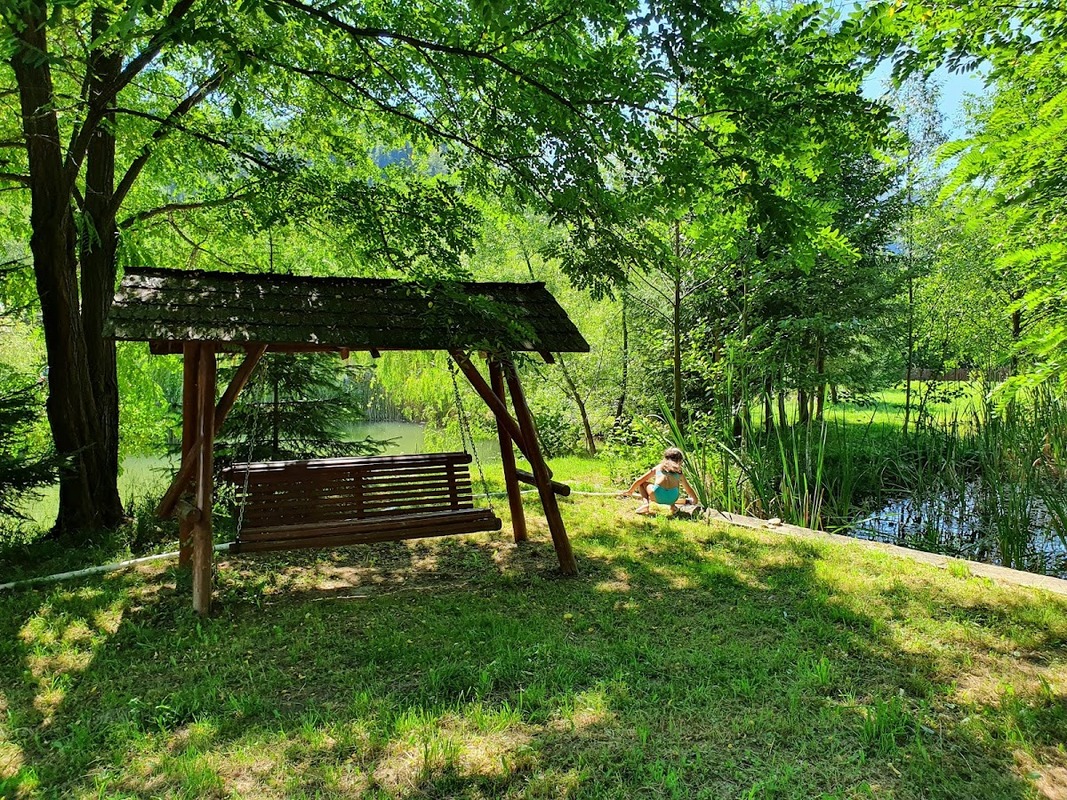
(465, 434)
(252, 436)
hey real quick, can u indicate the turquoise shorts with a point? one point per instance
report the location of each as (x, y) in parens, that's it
(665, 497)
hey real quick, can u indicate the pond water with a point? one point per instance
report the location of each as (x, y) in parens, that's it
(1012, 530)
(413, 437)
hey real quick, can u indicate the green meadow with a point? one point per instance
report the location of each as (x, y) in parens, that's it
(687, 660)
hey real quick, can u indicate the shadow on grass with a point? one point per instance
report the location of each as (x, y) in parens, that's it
(685, 661)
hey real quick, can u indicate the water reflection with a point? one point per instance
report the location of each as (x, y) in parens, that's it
(1004, 527)
(412, 437)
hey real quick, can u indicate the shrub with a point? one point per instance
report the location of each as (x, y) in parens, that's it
(23, 467)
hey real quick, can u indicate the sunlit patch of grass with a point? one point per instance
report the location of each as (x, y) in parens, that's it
(687, 660)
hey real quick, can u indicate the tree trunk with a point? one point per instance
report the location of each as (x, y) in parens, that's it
(676, 318)
(572, 388)
(783, 420)
(1016, 332)
(620, 405)
(910, 361)
(99, 242)
(768, 408)
(802, 406)
(88, 498)
(820, 381)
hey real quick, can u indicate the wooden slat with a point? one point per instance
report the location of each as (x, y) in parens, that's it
(353, 509)
(340, 478)
(316, 491)
(409, 523)
(342, 540)
(350, 512)
(378, 462)
(300, 481)
(345, 483)
(341, 494)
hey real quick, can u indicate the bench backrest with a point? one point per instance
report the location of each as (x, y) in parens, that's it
(338, 489)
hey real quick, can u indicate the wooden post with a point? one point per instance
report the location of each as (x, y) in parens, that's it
(190, 399)
(189, 465)
(507, 457)
(542, 474)
(203, 546)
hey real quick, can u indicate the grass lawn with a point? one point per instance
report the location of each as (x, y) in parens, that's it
(687, 660)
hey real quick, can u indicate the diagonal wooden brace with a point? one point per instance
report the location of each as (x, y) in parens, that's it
(496, 405)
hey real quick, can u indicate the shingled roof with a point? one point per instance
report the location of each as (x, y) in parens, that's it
(171, 306)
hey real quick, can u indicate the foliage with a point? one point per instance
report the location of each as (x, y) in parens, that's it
(23, 467)
(1012, 166)
(297, 405)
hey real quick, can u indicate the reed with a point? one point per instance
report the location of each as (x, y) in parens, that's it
(982, 482)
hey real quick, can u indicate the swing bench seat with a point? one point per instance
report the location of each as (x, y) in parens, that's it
(331, 502)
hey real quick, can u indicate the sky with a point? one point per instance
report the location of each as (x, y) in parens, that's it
(954, 89)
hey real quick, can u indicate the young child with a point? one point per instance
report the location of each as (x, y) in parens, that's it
(663, 483)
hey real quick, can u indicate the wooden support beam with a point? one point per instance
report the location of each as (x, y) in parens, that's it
(542, 474)
(187, 512)
(507, 457)
(546, 356)
(240, 380)
(189, 460)
(496, 405)
(190, 399)
(562, 489)
(203, 546)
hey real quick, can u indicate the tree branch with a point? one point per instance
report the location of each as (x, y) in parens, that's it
(412, 41)
(101, 103)
(197, 248)
(164, 130)
(204, 137)
(548, 23)
(169, 208)
(319, 75)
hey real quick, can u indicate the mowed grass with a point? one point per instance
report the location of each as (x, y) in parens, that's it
(687, 660)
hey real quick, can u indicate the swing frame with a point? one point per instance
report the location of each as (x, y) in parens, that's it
(202, 314)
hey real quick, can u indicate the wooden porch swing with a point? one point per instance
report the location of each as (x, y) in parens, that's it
(341, 501)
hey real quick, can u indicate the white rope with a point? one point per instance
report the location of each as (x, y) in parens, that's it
(584, 494)
(133, 562)
(78, 573)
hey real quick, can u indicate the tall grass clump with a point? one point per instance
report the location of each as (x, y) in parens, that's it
(977, 481)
